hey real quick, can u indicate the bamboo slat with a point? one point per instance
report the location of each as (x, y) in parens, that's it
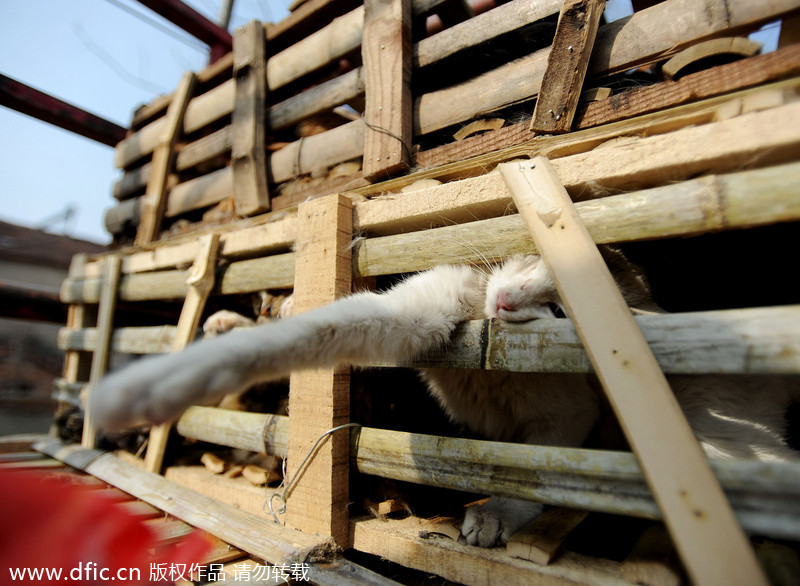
(459, 201)
(763, 494)
(738, 200)
(744, 341)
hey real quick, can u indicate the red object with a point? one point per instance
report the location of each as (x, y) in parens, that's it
(194, 23)
(30, 101)
(50, 524)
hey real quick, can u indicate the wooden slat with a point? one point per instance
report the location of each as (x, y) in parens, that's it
(707, 535)
(155, 199)
(740, 200)
(542, 540)
(399, 542)
(248, 151)
(562, 82)
(199, 284)
(386, 54)
(764, 494)
(105, 323)
(319, 400)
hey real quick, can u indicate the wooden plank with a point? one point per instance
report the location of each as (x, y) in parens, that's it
(399, 542)
(707, 535)
(258, 537)
(386, 54)
(620, 46)
(155, 200)
(541, 540)
(562, 82)
(199, 283)
(236, 492)
(739, 200)
(248, 151)
(105, 323)
(319, 400)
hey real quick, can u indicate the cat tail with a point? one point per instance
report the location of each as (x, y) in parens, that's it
(416, 316)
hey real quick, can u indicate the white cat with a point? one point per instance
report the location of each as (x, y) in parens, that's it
(730, 417)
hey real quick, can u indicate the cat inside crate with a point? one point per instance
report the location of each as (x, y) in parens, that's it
(733, 417)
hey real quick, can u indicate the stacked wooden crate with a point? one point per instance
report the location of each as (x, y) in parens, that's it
(708, 151)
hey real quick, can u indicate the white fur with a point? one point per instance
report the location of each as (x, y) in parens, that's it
(732, 417)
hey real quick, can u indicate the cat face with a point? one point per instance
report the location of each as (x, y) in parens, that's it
(521, 290)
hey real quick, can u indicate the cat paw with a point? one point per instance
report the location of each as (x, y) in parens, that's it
(286, 308)
(491, 524)
(224, 321)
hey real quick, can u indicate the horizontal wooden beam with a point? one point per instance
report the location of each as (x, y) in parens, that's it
(750, 341)
(710, 204)
(764, 494)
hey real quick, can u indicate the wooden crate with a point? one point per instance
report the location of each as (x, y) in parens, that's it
(714, 152)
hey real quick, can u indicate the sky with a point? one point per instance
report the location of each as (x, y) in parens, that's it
(97, 55)
(106, 57)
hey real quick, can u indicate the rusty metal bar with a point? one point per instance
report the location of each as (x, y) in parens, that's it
(30, 101)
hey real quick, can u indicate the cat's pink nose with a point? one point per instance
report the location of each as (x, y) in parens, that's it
(504, 302)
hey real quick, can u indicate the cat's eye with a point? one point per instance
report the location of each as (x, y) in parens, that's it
(556, 310)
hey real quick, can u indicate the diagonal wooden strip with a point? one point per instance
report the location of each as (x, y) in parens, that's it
(200, 282)
(155, 199)
(105, 321)
(567, 63)
(707, 535)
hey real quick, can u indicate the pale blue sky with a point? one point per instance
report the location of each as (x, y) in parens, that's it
(98, 56)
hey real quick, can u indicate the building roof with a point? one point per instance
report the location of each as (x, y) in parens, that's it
(28, 245)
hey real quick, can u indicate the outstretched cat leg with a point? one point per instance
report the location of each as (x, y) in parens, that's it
(414, 317)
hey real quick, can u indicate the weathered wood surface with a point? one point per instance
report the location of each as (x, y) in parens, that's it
(764, 494)
(399, 542)
(636, 102)
(562, 82)
(346, 142)
(746, 341)
(199, 283)
(154, 203)
(259, 537)
(689, 208)
(745, 140)
(542, 540)
(738, 200)
(248, 123)
(386, 54)
(620, 45)
(109, 294)
(707, 535)
(320, 399)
